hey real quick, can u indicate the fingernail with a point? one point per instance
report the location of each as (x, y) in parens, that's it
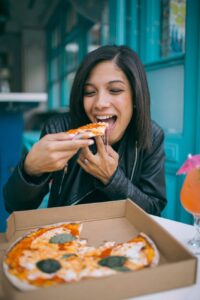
(71, 136)
(90, 142)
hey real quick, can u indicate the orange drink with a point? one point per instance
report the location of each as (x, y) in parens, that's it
(190, 196)
(190, 192)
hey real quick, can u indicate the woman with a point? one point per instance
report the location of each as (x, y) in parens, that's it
(110, 85)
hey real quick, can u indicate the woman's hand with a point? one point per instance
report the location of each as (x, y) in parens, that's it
(103, 164)
(52, 152)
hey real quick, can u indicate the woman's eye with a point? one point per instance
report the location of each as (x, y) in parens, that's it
(116, 91)
(89, 93)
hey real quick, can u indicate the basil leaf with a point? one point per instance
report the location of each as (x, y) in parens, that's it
(67, 255)
(48, 265)
(114, 262)
(62, 238)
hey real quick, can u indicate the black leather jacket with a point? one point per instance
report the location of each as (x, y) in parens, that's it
(140, 176)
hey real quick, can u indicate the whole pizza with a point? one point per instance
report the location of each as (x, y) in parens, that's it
(56, 254)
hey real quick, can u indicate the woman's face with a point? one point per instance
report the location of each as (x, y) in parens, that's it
(108, 98)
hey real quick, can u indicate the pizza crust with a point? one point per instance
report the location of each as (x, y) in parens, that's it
(156, 258)
(18, 283)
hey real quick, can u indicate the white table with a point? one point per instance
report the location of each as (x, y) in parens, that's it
(182, 232)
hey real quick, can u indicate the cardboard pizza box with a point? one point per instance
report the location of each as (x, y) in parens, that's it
(107, 221)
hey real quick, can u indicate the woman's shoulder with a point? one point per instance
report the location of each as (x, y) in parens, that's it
(157, 134)
(157, 138)
(156, 129)
(58, 123)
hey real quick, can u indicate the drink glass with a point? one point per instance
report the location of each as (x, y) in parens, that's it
(190, 199)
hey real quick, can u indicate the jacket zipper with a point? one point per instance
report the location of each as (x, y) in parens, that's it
(135, 161)
(62, 179)
(77, 201)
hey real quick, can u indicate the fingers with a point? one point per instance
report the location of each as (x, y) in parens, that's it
(111, 152)
(63, 141)
(105, 149)
(73, 145)
(60, 136)
(101, 148)
(83, 162)
(86, 154)
(52, 152)
(84, 135)
(66, 145)
(101, 167)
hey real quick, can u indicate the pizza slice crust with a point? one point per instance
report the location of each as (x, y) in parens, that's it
(156, 257)
(20, 284)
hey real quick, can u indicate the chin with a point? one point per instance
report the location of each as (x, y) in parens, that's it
(115, 135)
(113, 141)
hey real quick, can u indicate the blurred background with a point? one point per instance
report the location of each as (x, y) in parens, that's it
(42, 43)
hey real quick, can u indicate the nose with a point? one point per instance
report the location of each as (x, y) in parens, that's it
(102, 100)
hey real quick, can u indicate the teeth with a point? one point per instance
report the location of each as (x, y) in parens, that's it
(104, 117)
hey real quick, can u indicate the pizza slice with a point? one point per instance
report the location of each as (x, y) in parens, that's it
(135, 254)
(89, 130)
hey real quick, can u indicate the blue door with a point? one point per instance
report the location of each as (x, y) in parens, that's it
(166, 35)
(174, 85)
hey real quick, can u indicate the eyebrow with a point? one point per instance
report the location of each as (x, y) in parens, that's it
(110, 82)
(116, 81)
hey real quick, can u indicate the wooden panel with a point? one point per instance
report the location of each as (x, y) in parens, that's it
(172, 152)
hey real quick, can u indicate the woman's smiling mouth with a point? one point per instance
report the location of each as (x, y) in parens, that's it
(110, 119)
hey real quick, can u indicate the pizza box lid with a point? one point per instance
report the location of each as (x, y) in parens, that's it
(118, 221)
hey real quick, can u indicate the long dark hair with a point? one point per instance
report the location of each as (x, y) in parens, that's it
(128, 61)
